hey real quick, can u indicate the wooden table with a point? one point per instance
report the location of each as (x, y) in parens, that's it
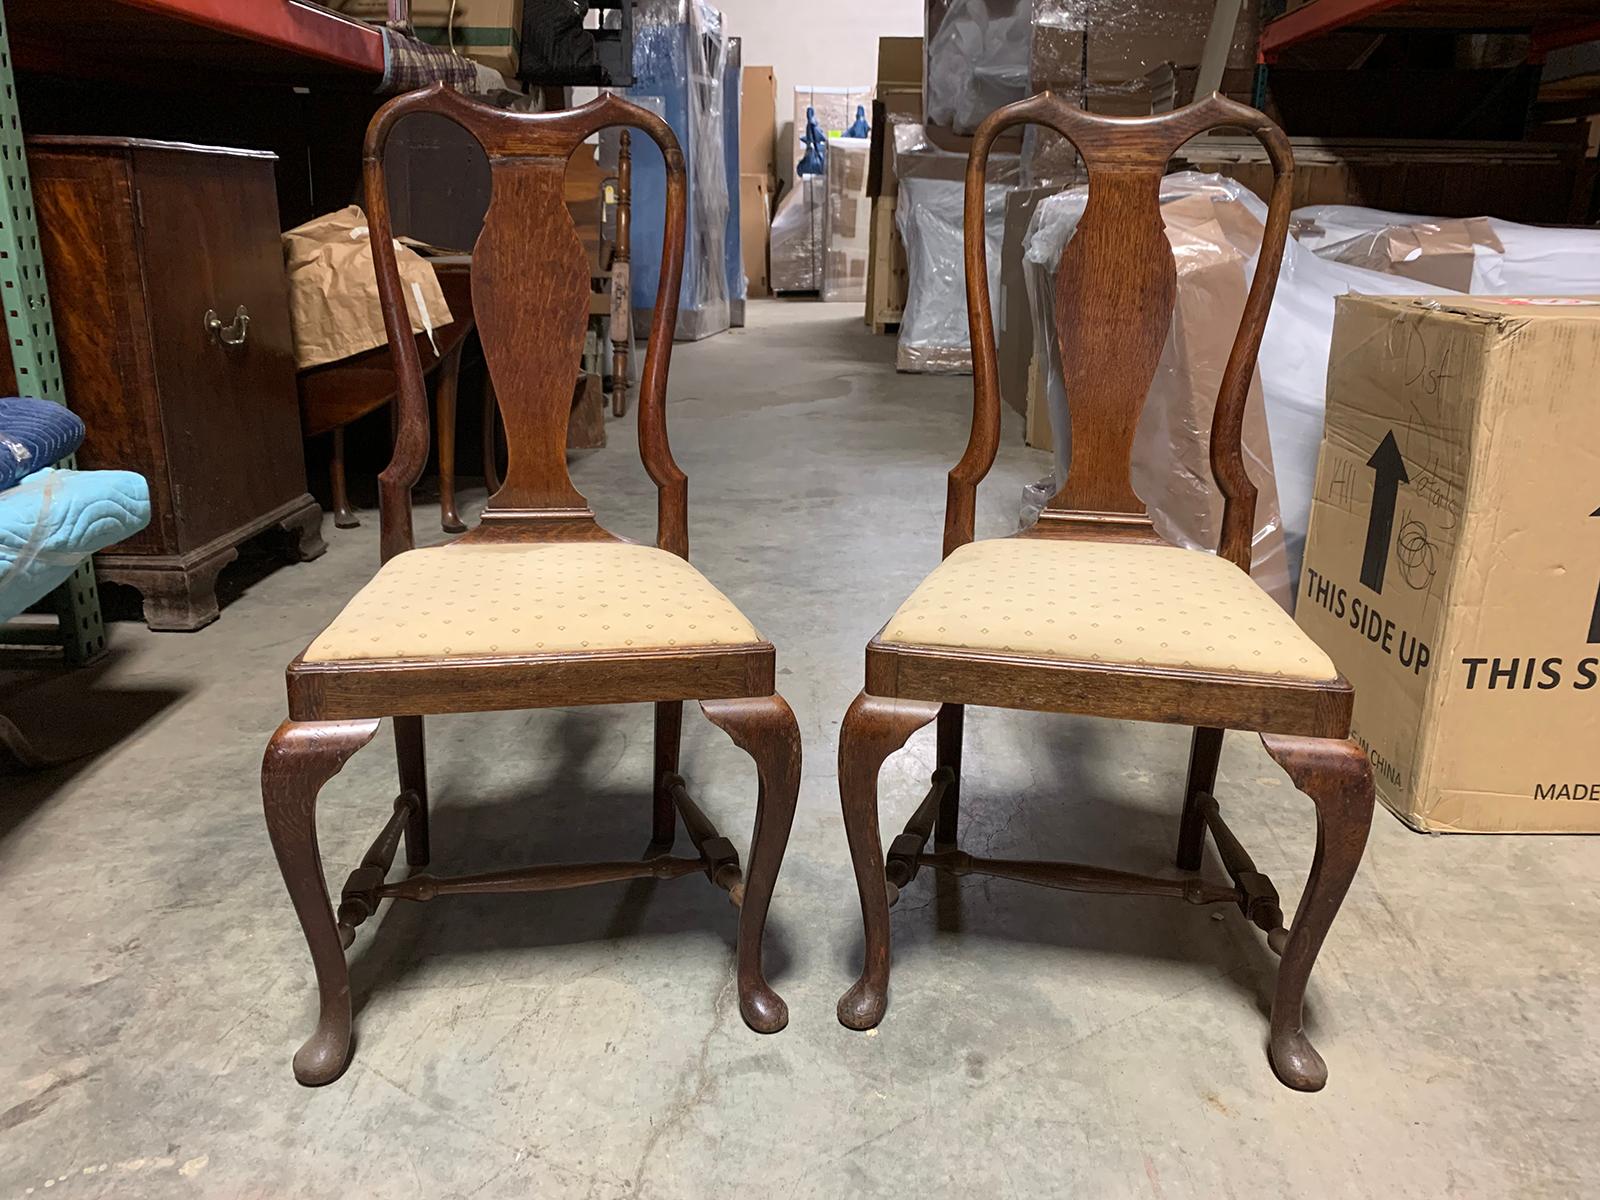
(334, 395)
(337, 393)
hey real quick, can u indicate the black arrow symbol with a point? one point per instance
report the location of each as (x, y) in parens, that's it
(1594, 618)
(1390, 470)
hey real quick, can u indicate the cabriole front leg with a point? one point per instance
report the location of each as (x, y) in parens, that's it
(300, 759)
(765, 729)
(1338, 778)
(873, 729)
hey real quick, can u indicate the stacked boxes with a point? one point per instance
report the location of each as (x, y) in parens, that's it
(846, 221)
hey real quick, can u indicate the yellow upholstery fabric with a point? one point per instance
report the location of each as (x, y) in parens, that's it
(467, 601)
(1106, 602)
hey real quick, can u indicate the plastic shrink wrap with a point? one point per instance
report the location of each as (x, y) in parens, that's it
(797, 238)
(928, 212)
(1214, 226)
(678, 58)
(847, 220)
(1212, 221)
(1507, 258)
(977, 59)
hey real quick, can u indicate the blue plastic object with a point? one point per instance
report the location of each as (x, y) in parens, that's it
(53, 520)
(815, 160)
(860, 129)
(679, 58)
(34, 434)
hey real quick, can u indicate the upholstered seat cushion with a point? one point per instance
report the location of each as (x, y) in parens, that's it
(469, 600)
(1106, 602)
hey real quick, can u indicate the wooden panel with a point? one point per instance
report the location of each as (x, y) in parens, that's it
(529, 272)
(230, 413)
(87, 234)
(1095, 689)
(336, 690)
(1115, 288)
(530, 289)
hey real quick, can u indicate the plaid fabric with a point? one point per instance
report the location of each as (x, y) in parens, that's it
(409, 64)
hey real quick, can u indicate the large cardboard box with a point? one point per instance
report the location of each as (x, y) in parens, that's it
(900, 64)
(1532, 182)
(758, 123)
(755, 233)
(1454, 553)
(888, 276)
(486, 31)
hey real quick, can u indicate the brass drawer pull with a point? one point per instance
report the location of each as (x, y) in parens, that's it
(229, 335)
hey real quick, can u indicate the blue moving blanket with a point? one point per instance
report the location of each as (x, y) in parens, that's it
(33, 434)
(53, 520)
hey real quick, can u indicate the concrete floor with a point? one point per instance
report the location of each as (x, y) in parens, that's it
(588, 1043)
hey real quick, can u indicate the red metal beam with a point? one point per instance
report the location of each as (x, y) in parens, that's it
(306, 29)
(1315, 19)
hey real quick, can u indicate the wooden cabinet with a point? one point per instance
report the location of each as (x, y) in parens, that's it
(172, 315)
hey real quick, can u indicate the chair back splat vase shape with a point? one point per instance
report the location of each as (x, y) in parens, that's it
(1089, 610)
(539, 605)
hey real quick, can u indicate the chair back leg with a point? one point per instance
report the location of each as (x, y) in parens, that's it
(1204, 753)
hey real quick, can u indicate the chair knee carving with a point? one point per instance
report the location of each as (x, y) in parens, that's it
(1089, 610)
(539, 605)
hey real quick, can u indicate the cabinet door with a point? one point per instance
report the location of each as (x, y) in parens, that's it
(230, 414)
(88, 238)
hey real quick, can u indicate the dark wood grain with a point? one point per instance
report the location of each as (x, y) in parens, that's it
(334, 394)
(300, 759)
(1338, 778)
(1115, 291)
(330, 691)
(873, 729)
(1177, 696)
(529, 272)
(764, 728)
(531, 298)
(140, 239)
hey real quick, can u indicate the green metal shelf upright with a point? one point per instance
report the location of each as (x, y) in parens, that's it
(33, 337)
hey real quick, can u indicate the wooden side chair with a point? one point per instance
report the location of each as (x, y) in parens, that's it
(1089, 611)
(538, 606)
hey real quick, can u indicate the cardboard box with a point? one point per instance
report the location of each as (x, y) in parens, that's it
(835, 108)
(1055, 65)
(797, 242)
(1531, 182)
(758, 123)
(847, 222)
(900, 64)
(486, 31)
(888, 276)
(1454, 552)
(755, 232)
(888, 108)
